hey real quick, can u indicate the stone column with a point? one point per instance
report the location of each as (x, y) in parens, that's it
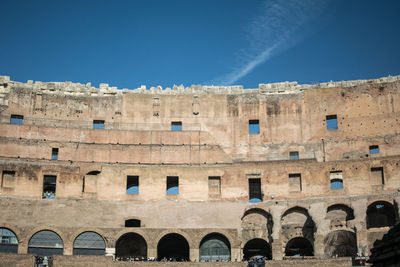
(317, 211)
(276, 247)
(194, 254)
(235, 254)
(397, 201)
(276, 244)
(22, 248)
(360, 223)
(67, 250)
(151, 252)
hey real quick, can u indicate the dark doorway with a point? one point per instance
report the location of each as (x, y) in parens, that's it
(131, 245)
(173, 247)
(380, 214)
(215, 247)
(257, 247)
(299, 246)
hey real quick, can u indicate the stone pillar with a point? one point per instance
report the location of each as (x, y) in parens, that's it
(276, 244)
(397, 202)
(151, 252)
(22, 248)
(110, 252)
(360, 224)
(194, 254)
(67, 250)
(317, 211)
(276, 247)
(235, 254)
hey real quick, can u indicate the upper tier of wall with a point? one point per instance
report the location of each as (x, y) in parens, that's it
(70, 88)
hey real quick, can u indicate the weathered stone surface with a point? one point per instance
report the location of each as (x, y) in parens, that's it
(214, 156)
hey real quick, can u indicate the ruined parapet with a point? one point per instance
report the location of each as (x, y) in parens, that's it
(78, 89)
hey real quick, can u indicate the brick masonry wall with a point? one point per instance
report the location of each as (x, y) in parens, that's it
(88, 261)
(16, 260)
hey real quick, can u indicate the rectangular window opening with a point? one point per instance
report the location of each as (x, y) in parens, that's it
(255, 194)
(374, 149)
(293, 155)
(254, 127)
(377, 177)
(132, 185)
(16, 119)
(336, 180)
(132, 223)
(49, 186)
(331, 122)
(54, 153)
(176, 126)
(7, 178)
(214, 186)
(295, 182)
(172, 185)
(98, 124)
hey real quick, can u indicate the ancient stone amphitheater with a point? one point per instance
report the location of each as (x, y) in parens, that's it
(203, 173)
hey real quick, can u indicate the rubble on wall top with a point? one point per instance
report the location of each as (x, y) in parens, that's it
(70, 88)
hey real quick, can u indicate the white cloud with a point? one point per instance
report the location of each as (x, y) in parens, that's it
(273, 30)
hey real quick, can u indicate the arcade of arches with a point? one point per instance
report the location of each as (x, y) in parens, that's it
(296, 237)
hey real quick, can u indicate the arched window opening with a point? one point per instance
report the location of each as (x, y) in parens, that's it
(340, 243)
(89, 243)
(132, 223)
(380, 214)
(257, 247)
(173, 247)
(45, 243)
(299, 246)
(131, 245)
(339, 215)
(8, 241)
(215, 247)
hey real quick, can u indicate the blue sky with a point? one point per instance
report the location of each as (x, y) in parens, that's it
(220, 42)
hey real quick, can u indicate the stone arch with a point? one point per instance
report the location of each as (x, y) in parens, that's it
(294, 206)
(256, 223)
(339, 214)
(15, 230)
(46, 243)
(381, 214)
(8, 241)
(257, 247)
(131, 245)
(132, 230)
(381, 199)
(173, 246)
(340, 243)
(299, 246)
(296, 222)
(64, 237)
(89, 243)
(88, 229)
(174, 231)
(203, 234)
(214, 247)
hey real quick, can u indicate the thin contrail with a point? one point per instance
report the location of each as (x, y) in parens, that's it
(275, 29)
